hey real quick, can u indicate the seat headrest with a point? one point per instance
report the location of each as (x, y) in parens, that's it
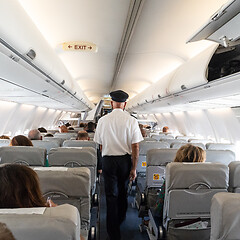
(156, 157)
(59, 181)
(85, 156)
(145, 146)
(220, 156)
(29, 155)
(195, 175)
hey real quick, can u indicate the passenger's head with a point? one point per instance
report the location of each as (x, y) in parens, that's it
(4, 137)
(190, 153)
(34, 134)
(42, 130)
(20, 140)
(119, 99)
(5, 233)
(165, 129)
(140, 126)
(81, 125)
(82, 135)
(70, 128)
(48, 135)
(63, 129)
(90, 126)
(19, 187)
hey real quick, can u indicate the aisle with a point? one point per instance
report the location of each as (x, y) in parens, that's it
(130, 228)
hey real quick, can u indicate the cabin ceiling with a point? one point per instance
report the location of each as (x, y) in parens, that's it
(157, 45)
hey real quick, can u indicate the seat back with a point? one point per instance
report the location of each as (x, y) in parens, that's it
(25, 155)
(148, 139)
(220, 156)
(58, 141)
(225, 212)
(56, 223)
(180, 144)
(190, 188)
(234, 177)
(171, 141)
(75, 157)
(4, 142)
(157, 159)
(68, 185)
(65, 135)
(185, 137)
(144, 146)
(221, 146)
(79, 143)
(45, 144)
(203, 141)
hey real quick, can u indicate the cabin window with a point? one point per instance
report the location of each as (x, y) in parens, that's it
(225, 61)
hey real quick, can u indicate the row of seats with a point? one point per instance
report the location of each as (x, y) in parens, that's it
(152, 154)
(188, 193)
(157, 159)
(198, 190)
(68, 157)
(177, 143)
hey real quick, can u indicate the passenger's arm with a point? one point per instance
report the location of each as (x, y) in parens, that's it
(135, 155)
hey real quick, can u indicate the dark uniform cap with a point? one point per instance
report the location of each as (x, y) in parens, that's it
(119, 96)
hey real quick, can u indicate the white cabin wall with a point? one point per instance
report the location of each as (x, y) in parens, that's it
(19, 118)
(220, 125)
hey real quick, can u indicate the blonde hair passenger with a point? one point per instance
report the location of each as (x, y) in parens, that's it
(190, 153)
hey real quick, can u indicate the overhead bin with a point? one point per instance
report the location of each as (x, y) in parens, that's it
(21, 41)
(192, 73)
(223, 26)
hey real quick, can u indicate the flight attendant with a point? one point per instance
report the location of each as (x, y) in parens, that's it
(119, 135)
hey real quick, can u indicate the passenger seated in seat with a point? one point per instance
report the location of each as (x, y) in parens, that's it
(20, 140)
(63, 129)
(186, 153)
(4, 137)
(42, 130)
(82, 135)
(5, 233)
(34, 134)
(48, 135)
(19, 188)
(90, 127)
(165, 129)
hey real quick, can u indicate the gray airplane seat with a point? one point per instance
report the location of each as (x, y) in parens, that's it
(225, 220)
(220, 156)
(162, 136)
(55, 223)
(203, 141)
(75, 157)
(148, 139)
(148, 188)
(68, 185)
(234, 177)
(25, 155)
(4, 142)
(171, 141)
(58, 140)
(65, 136)
(144, 146)
(45, 144)
(221, 146)
(79, 143)
(189, 190)
(177, 145)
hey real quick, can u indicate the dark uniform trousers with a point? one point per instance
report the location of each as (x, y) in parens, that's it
(116, 171)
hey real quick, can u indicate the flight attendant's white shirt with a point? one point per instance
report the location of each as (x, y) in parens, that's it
(116, 132)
